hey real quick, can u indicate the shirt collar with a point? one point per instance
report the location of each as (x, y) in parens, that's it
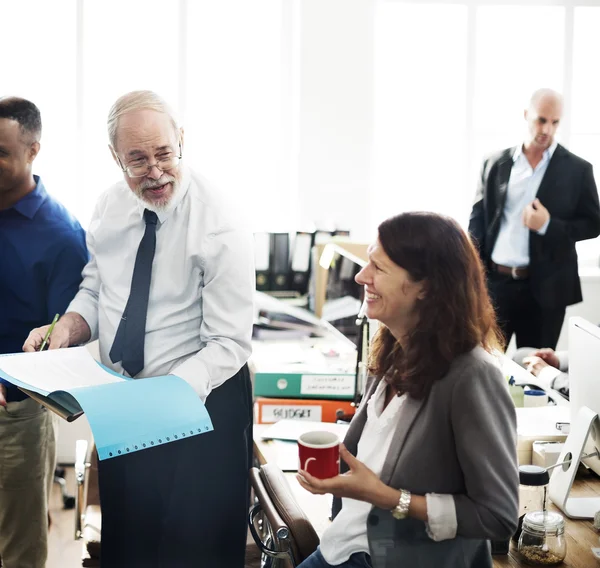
(186, 180)
(548, 152)
(29, 205)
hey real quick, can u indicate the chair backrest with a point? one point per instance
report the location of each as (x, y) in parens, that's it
(291, 531)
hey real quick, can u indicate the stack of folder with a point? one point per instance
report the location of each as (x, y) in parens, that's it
(303, 381)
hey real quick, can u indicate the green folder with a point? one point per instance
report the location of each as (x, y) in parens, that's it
(335, 386)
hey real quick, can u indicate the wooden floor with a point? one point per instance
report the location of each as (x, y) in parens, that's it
(63, 551)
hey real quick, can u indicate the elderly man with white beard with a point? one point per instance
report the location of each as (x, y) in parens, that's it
(168, 290)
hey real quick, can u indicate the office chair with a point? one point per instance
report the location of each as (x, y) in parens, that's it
(277, 523)
(59, 477)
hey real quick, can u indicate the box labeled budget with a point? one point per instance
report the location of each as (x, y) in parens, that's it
(270, 410)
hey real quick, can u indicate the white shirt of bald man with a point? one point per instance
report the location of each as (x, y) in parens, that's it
(200, 309)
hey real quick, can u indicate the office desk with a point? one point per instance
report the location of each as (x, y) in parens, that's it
(580, 535)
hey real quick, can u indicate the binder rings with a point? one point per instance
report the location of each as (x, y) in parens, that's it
(300, 269)
(269, 410)
(125, 415)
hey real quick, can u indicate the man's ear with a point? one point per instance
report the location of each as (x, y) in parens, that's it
(525, 113)
(181, 137)
(34, 150)
(115, 157)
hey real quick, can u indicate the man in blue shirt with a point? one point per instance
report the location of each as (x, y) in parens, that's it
(42, 254)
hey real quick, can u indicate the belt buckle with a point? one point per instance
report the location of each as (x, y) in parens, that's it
(513, 273)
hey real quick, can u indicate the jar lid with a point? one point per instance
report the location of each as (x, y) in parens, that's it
(533, 475)
(547, 522)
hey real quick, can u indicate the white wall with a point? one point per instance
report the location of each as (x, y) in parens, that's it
(589, 308)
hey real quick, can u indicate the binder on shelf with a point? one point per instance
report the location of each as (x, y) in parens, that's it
(280, 261)
(322, 237)
(270, 410)
(305, 385)
(300, 267)
(341, 233)
(125, 415)
(262, 254)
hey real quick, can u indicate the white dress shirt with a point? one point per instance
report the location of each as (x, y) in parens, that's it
(200, 309)
(512, 244)
(347, 534)
(547, 376)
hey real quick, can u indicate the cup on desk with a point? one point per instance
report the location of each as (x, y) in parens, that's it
(533, 397)
(319, 453)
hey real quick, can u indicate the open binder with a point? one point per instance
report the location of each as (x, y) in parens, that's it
(61, 403)
(125, 415)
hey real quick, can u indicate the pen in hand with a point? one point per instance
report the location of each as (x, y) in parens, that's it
(47, 336)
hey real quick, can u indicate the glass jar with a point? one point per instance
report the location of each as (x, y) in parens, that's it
(542, 541)
(533, 482)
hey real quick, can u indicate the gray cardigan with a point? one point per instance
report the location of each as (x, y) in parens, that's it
(460, 440)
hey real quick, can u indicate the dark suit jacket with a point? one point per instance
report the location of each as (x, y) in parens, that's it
(568, 191)
(461, 440)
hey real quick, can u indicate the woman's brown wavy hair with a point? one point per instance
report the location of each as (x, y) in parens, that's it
(456, 314)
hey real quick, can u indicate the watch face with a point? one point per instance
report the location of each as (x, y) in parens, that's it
(397, 514)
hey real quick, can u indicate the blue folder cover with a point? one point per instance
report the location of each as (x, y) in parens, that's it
(130, 415)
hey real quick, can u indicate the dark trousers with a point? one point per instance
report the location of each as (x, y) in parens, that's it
(518, 312)
(183, 504)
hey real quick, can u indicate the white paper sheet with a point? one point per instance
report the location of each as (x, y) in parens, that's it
(293, 429)
(56, 369)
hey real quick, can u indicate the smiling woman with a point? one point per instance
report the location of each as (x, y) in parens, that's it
(439, 305)
(430, 457)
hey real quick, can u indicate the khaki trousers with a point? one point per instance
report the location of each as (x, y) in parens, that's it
(27, 462)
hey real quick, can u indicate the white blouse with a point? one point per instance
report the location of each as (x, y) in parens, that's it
(348, 532)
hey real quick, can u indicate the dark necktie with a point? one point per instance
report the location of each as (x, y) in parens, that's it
(128, 346)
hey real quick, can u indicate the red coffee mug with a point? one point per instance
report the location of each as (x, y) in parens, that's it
(319, 454)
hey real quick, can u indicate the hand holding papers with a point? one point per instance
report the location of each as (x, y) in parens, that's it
(125, 415)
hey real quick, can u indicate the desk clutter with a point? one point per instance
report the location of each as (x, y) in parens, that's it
(538, 425)
(301, 386)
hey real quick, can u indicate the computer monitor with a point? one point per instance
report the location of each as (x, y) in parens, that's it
(584, 377)
(584, 436)
(343, 296)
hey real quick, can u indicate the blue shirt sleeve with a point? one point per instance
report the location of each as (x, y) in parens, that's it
(63, 281)
(65, 276)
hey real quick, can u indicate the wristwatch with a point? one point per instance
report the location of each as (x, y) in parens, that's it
(400, 511)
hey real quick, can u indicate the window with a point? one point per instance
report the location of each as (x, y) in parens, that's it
(420, 110)
(451, 82)
(585, 134)
(42, 68)
(234, 102)
(219, 65)
(505, 75)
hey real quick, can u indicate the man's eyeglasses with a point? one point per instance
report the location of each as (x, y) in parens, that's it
(141, 167)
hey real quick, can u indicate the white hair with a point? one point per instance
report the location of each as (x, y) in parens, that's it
(133, 101)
